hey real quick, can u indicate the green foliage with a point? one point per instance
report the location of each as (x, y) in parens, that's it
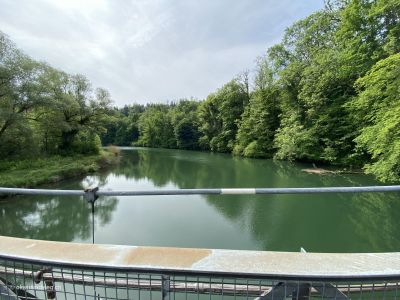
(377, 107)
(258, 125)
(186, 124)
(122, 128)
(155, 127)
(220, 115)
(46, 110)
(86, 143)
(386, 15)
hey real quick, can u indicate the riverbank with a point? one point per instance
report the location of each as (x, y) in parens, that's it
(29, 173)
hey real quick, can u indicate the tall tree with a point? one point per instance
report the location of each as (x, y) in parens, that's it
(377, 109)
(220, 115)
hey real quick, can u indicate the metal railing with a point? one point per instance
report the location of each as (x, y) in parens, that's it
(223, 191)
(32, 269)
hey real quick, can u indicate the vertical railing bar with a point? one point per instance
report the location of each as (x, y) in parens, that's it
(15, 276)
(73, 282)
(373, 289)
(247, 289)
(234, 288)
(210, 290)
(127, 285)
(33, 282)
(186, 292)
(94, 286)
(172, 283)
(83, 285)
(151, 288)
(384, 290)
(116, 286)
(105, 285)
(198, 292)
(222, 290)
(63, 282)
(25, 287)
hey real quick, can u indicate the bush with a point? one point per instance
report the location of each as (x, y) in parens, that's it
(86, 143)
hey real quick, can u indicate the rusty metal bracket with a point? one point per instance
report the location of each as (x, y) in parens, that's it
(49, 282)
(38, 276)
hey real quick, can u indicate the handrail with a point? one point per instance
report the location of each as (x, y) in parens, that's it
(206, 191)
(199, 262)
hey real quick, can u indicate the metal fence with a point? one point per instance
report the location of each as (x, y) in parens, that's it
(31, 269)
(33, 280)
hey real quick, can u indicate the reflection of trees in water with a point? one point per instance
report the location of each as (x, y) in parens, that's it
(52, 218)
(324, 222)
(192, 170)
(381, 213)
(333, 223)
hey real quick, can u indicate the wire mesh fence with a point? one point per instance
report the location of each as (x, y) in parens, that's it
(32, 280)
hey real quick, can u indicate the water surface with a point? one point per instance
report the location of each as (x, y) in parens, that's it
(319, 223)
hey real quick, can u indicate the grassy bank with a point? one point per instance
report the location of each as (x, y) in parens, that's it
(33, 172)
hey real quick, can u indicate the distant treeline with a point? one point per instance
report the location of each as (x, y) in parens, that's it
(329, 92)
(46, 111)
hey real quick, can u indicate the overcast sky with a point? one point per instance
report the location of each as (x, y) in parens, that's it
(151, 50)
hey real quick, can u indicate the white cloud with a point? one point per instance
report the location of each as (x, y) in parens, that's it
(150, 50)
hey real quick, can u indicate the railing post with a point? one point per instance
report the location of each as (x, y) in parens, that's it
(165, 287)
(302, 292)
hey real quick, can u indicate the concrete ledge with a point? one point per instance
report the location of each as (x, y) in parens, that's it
(205, 261)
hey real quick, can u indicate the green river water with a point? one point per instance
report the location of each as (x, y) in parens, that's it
(319, 223)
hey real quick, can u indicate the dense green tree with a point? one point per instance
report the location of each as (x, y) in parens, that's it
(186, 124)
(260, 120)
(220, 115)
(259, 123)
(300, 62)
(386, 13)
(21, 91)
(155, 127)
(44, 109)
(122, 128)
(76, 109)
(377, 108)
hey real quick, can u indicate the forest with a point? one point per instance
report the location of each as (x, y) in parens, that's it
(327, 93)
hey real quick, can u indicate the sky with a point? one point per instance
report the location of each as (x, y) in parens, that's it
(151, 50)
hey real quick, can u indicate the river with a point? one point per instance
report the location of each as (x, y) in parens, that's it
(319, 223)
